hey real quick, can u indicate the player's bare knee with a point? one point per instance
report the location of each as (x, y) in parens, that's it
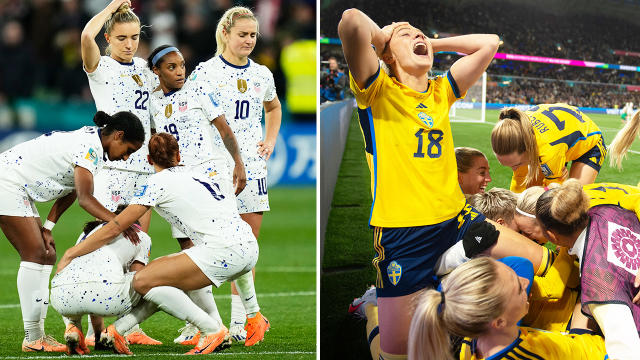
(141, 284)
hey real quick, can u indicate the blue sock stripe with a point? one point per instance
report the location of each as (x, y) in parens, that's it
(373, 334)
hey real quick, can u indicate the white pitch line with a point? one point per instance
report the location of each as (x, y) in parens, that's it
(224, 296)
(270, 269)
(222, 353)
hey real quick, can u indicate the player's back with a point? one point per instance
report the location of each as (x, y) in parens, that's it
(202, 209)
(45, 165)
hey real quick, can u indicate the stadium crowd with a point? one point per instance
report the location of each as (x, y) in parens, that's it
(567, 35)
(40, 40)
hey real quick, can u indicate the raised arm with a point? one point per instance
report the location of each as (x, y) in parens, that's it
(480, 49)
(90, 49)
(230, 142)
(104, 235)
(357, 33)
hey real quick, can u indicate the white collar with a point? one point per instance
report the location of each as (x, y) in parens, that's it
(578, 246)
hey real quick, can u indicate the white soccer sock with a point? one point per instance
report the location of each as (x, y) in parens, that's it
(247, 293)
(90, 327)
(138, 314)
(176, 303)
(44, 287)
(204, 299)
(237, 310)
(30, 294)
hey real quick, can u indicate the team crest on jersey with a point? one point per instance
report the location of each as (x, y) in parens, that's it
(92, 156)
(168, 110)
(115, 196)
(137, 79)
(426, 119)
(182, 106)
(546, 170)
(242, 85)
(394, 271)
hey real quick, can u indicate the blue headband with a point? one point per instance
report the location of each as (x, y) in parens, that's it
(162, 53)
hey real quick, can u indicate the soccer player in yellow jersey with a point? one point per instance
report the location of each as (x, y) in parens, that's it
(483, 300)
(537, 144)
(418, 210)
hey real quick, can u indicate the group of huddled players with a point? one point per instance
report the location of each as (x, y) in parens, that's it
(456, 262)
(154, 146)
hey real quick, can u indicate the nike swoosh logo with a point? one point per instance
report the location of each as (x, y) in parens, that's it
(203, 349)
(35, 349)
(38, 300)
(249, 298)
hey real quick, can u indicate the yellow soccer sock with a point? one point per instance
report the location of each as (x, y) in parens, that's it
(373, 334)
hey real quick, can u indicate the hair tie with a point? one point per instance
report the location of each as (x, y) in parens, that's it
(525, 213)
(441, 305)
(162, 53)
(546, 188)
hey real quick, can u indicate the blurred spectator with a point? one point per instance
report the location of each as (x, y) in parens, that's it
(332, 82)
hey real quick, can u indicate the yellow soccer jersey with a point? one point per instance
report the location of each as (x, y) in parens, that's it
(539, 344)
(563, 134)
(554, 295)
(409, 149)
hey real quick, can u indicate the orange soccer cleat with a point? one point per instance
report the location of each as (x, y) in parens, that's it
(138, 337)
(46, 344)
(210, 342)
(75, 341)
(256, 327)
(117, 341)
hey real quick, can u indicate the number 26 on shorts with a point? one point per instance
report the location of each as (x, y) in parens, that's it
(434, 149)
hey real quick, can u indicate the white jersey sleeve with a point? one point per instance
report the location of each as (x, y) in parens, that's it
(144, 249)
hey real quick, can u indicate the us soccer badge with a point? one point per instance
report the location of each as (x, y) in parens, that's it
(168, 110)
(242, 85)
(394, 271)
(137, 79)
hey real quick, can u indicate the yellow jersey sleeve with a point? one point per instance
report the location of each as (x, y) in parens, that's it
(364, 97)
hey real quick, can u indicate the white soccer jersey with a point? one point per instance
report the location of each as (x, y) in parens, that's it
(118, 87)
(241, 91)
(125, 251)
(195, 205)
(44, 167)
(186, 114)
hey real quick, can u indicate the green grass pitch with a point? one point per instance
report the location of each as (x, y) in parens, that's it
(346, 270)
(285, 284)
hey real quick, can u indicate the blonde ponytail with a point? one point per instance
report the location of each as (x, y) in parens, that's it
(124, 14)
(623, 140)
(471, 298)
(564, 209)
(514, 133)
(227, 21)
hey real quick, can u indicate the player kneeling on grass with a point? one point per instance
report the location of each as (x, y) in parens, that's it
(225, 249)
(98, 283)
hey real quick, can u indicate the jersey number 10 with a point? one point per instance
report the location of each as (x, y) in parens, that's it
(242, 109)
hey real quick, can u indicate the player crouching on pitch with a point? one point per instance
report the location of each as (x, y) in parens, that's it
(224, 250)
(98, 283)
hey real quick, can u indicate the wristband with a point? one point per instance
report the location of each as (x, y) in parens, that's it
(48, 225)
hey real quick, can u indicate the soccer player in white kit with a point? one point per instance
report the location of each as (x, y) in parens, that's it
(120, 82)
(243, 88)
(56, 166)
(225, 249)
(99, 283)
